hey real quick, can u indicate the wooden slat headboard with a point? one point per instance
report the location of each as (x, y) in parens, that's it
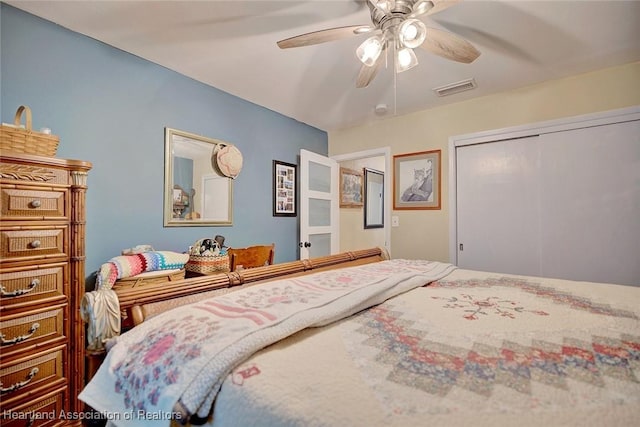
(133, 301)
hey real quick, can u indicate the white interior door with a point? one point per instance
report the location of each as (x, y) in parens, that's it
(319, 209)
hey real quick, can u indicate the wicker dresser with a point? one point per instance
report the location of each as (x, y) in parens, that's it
(42, 232)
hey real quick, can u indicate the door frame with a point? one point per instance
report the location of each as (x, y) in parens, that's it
(377, 152)
(531, 129)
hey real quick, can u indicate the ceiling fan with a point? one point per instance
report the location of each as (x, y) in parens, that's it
(394, 26)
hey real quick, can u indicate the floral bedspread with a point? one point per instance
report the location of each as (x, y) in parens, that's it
(172, 366)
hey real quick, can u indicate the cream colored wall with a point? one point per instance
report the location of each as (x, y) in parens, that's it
(353, 235)
(424, 234)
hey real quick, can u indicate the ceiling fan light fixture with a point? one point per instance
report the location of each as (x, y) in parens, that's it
(412, 33)
(405, 59)
(369, 51)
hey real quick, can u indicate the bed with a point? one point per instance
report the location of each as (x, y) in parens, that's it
(358, 339)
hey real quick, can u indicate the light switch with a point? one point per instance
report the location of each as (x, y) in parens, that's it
(395, 221)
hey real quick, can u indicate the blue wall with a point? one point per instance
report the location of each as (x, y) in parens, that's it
(110, 108)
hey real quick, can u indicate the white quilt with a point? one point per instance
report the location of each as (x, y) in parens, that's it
(471, 349)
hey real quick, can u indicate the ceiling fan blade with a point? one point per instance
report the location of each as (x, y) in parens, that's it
(367, 74)
(323, 36)
(440, 5)
(450, 46)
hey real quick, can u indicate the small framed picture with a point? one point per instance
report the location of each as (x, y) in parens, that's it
(350, 188)
(416, 180)
(284, 189)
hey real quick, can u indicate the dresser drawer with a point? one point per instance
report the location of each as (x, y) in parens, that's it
(20, 173)
(30, 328)
(22, 287)
(30, 374)
(32, 244)
(33, 204)
(39, 412)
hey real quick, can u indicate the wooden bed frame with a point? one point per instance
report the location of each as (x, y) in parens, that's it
(139, 303)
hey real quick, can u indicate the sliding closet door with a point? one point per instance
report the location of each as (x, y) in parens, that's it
(563, 204)
(590, 224)
(498, 206)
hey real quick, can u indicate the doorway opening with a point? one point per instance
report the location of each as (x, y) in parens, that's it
(353, 234)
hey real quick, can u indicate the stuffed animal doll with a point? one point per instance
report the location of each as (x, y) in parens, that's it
(209, 247)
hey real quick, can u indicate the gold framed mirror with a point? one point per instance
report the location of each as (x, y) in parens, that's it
(195, 193)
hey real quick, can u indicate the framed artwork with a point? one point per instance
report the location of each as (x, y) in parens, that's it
(284, 189)
(416, 180)
(350, 188)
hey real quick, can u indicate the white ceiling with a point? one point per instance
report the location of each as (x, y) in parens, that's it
(231, 45)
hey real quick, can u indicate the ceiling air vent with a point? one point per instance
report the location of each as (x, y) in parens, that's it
(452, 88)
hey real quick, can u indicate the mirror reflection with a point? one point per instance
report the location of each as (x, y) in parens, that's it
(374, 198)
(196, 194)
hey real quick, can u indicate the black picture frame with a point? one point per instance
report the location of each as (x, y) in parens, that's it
(285, 189)
(373, 198)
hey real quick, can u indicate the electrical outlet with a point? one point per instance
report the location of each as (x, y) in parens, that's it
(395, 221)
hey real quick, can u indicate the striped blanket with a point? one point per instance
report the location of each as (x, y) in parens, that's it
(131, 265)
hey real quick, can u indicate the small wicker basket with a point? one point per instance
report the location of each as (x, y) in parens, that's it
(24, 140)
(211, 264)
